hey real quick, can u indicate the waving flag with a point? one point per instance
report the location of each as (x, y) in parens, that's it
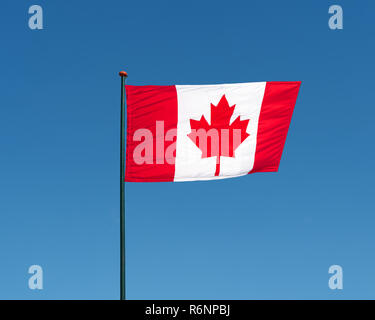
(206, 132)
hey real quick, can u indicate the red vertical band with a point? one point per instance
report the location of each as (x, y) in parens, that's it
(151, 113)
(274, 119)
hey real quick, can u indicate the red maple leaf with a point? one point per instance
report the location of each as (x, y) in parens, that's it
(220, 138)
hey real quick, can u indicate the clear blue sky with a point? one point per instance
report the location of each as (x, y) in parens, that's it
(262, 236)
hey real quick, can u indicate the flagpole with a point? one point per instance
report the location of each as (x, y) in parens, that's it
(123, 76)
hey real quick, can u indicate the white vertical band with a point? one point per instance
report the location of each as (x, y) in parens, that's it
(194, 101)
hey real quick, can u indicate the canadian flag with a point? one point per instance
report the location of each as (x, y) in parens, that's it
(206, 132)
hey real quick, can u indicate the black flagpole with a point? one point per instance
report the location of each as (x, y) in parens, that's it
(123, 76)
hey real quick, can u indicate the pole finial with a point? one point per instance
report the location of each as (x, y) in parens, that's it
(123, 74)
